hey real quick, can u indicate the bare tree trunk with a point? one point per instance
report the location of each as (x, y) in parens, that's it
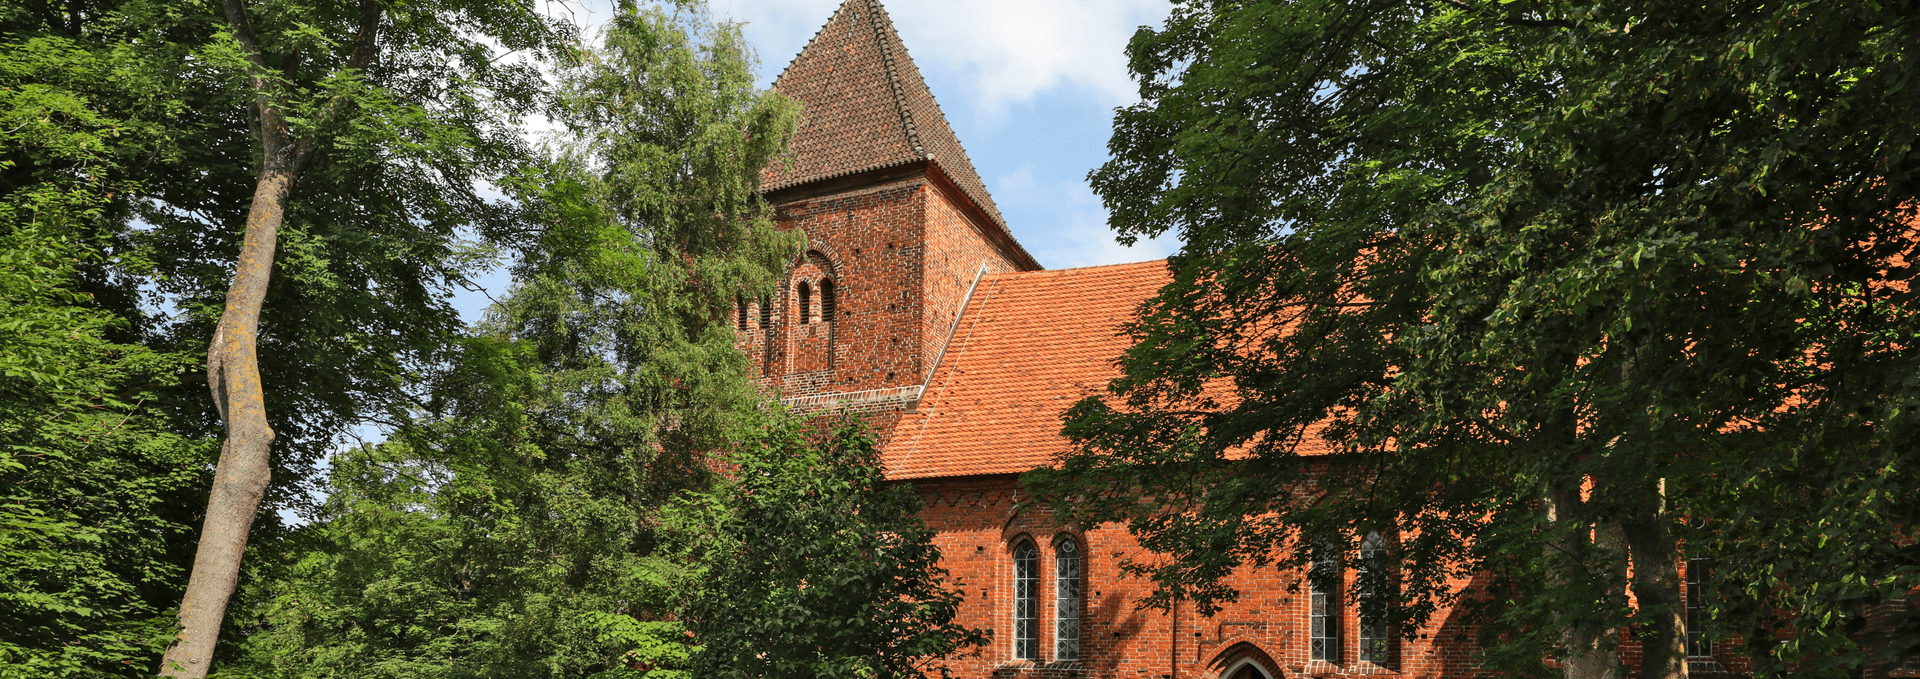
(1656, 586)
(233, 366)
(233, 371)
(1593, 651)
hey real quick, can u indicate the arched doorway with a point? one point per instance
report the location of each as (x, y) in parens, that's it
(1244, 660)
(1248, 671)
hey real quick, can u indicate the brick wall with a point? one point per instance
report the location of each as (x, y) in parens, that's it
(978, 529)
(865, 239)
(955, 253)
(901, 255)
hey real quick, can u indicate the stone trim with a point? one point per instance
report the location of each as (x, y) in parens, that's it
(870, 397)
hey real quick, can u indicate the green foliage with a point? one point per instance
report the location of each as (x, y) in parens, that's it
(510, 525)
(418, 569)
(126, 166)
(91, 470)
(90, 539)
(815, 566)
(1493, 252)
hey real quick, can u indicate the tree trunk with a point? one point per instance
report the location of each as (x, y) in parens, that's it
(1592, 651)
(233, 365)
(1656, 586)
(233, 372)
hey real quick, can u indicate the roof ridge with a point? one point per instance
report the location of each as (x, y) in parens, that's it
(857, 82)
(1091, 267)
(882, 24)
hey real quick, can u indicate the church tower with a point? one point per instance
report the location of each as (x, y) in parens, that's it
(899, 226)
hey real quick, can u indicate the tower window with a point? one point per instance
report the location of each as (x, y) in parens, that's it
(1026, 590)
(806, 303)
(1323, 618)
(826, 300)
(741, 302)
(1067, 585)
(1374, 577)
(766, 312)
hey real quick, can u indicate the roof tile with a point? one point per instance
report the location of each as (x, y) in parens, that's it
(866, 107)
(1028, 346)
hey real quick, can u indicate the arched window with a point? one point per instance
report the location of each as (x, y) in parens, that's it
(806, 303)
(742, 303)
(826, 300)
(1698, 570)
(766, 312)
(1323, 616)
(1026, 594)
(1375, 579)
(1069, 592)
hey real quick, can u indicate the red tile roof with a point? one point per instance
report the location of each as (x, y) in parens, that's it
(1028, 345)
(867, 108)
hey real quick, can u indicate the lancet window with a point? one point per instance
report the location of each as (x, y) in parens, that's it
(1374, 577)
(1069, 595)
(806, 303)
(1698, 570)
(1026, 595)
(1323, 616)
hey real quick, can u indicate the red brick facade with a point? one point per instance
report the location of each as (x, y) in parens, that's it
(979, 528)
(963, 353)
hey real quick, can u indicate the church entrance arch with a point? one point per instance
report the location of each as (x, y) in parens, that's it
(1244, 660)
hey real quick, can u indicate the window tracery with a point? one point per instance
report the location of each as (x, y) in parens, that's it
(1323, 616)
(1374, 577)
(1026, 590)
(1069, 595)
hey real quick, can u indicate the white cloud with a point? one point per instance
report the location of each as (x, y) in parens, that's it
(1016, 49)
(1075, 233)
(1009, 51)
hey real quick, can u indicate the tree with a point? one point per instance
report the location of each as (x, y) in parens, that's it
(389, 215)
(1566, 284)
(511, 525)
(814, 566)
(91, 466)
(346, 79)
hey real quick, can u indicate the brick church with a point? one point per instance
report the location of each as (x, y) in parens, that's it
(916, 306)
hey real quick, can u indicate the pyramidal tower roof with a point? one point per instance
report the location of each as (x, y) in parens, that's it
(867, 108)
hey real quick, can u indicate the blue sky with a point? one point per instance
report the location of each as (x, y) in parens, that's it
(1029, 86)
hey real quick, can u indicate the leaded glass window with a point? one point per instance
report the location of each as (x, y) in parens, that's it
(1374, 577)
(1026, 591)
(1324, 615)
(1697, 573)
(1068, 594)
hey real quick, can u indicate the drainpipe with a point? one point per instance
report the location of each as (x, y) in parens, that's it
(1173, 642)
